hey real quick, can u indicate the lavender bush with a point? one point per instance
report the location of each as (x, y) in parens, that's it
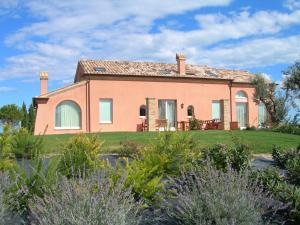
(92, 201)
(218, 198)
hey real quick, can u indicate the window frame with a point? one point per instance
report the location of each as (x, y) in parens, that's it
(193, 111)
(145, 108)
(111, 110)
(212, 112)
(67, 128)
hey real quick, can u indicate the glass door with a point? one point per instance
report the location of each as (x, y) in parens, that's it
(241, 114)
(167, 110)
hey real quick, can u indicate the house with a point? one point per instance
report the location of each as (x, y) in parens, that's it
(120, 95)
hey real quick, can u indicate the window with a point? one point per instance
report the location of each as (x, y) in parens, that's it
(190, 111)
(143, 111)
(105, 110)
(241, 94)
(67, 115)
(216, 110)
(262, 115)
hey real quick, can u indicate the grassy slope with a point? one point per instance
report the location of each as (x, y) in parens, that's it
(259, 141)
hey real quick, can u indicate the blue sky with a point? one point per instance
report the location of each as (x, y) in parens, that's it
(259, 36)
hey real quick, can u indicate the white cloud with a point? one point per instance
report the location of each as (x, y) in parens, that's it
(6, 89)
(6, 6)
(68, 31)
(292, 4)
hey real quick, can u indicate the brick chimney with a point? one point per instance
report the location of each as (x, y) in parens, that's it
(180, 58)
(44, 82)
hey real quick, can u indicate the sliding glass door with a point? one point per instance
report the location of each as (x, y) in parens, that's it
(167, 110)
(241, 114)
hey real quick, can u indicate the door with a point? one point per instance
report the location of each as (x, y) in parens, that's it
(167, 110)
(241, 114)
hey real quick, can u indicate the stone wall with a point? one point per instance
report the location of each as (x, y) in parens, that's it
(225, 114)
(151, 113)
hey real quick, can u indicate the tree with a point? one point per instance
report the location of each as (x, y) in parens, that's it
(292, 79)
(276, 102)
(31, 117)
(9, 114)
(24, 122)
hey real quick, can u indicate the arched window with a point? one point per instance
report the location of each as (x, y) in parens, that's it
(142, 111)
(241, 102)
(67, 115)
(190, 111)
(240, 94)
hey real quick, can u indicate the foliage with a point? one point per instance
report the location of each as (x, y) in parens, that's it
(223, 156)
(194, 124)
(276, 184)
(80, 156)
(292, 79)
(25, 145)
(34, 178)
(287, 128)
(31, 118)
(6, 161)
(167, 156)
(10, 114)
(91, 201)
(281, 157)
(24, 121)
(4, 208)
(213, 197)
(129, 149)
(293, 169)
(267, 93)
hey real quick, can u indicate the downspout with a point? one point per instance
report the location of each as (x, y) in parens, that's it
(89, 104)
(230, 85)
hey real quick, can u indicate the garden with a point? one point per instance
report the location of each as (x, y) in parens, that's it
(196, 177)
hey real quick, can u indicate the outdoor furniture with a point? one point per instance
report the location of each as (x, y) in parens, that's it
(144, 125)
(161, 124)
(182, 125)
(211, 124)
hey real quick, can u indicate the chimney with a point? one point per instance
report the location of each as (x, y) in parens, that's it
(180, 58)
(44, 82)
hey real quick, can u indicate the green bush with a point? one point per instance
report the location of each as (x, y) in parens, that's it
(35, 179)
(6, 158)
(287, 128)
(194, 124)
(293, 169)
(223, 157)
(213, 197)
(80, 156)
(281, 157)
(288, 194)
(25, 145)
(130, 149)
(4, 208)
(91, 201)
(167, 156)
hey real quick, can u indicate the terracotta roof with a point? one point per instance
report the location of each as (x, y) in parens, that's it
(160, 69)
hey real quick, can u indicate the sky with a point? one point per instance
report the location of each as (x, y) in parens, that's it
(261, 36)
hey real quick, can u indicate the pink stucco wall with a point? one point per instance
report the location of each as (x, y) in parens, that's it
(128, 95)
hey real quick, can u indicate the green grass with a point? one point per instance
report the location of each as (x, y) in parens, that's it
(259, 141)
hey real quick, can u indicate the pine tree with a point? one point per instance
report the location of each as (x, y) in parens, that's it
(31, 117)
(24, 122)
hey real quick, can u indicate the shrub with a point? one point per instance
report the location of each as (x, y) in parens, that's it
(167, 156)
(293, 169)
(194, 124)
(30, 181)
(130, 149)
(214, 197)
(222, 156)
(25, 145)
(4, 185)
(281, 157)
(6, 159)
(287, 128)
(80, 156)
(91, 201)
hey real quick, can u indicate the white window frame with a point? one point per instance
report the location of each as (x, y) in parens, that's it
(67, 128)
(111, 110)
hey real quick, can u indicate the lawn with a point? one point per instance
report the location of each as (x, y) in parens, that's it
(259, 141)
